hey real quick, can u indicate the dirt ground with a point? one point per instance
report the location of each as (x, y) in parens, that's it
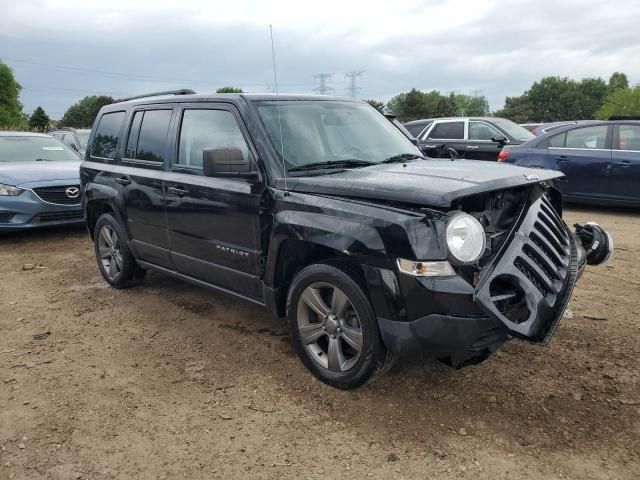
(168, 380)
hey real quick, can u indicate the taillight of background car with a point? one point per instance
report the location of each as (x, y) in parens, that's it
(503, 155)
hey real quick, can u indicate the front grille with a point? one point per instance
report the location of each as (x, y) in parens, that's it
(6, 216)
(60, 216)
(59, 194)
(531, 282)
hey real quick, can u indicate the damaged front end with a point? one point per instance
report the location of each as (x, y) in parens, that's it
(528, 282)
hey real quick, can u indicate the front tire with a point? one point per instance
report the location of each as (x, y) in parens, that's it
(115, 261)
(333, 327)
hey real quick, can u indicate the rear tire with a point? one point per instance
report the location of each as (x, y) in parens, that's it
(333, 327)
(115, 261)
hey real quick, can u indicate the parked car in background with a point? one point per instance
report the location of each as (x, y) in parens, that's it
(476, 138)
(39, 181)
(601, 160)
(76, 138)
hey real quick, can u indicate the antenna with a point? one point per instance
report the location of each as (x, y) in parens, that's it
(275, 82)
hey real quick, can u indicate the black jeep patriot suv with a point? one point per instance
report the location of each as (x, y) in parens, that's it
(323, 211)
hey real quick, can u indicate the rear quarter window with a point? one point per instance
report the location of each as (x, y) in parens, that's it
(107, 136)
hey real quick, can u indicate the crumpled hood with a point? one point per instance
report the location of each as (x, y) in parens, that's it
(20, 173)
(426, 182)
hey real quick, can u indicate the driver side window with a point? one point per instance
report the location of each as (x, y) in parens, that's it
(482, 131)
(208, 129)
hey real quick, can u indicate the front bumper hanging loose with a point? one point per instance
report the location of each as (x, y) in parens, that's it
(529, 286)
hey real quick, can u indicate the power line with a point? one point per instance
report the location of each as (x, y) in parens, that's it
(145, 78)
(353, 88)
(323, 88)
(27, 86)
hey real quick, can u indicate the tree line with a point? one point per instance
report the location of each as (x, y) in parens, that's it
(547, 100)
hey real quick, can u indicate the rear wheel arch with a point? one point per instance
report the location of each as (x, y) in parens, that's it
(94, 209)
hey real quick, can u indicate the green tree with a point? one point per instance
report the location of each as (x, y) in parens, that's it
(10, 107)
(376, 104)
(618, 80)
(621, 102)
(39, 120)
(229, 90)
(83, 113)
(517, 109)
(471, 106)
(415, 104)
(592, 92)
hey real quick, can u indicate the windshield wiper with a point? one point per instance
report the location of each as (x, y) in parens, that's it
(350, 163)
(403, 157)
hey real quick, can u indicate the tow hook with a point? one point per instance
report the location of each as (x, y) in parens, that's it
(596, 241)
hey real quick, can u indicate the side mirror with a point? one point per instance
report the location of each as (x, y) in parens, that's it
(226, 162)
(501, 139)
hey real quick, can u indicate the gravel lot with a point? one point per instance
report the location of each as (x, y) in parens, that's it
(168, 380)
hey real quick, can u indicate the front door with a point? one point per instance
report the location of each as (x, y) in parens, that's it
(480, 146)
(584, 156)
(625, 165)
(214, 223)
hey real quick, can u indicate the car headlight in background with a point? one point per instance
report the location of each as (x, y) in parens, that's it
(9, 190)
(465, 238)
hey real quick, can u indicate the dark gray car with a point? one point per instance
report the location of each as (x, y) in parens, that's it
(39, 182)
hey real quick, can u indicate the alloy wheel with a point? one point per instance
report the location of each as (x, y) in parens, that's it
(329, 327)
(109, 251)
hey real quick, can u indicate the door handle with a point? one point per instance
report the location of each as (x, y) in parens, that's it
(562, 159)
(624, 163)
(179, 191)
(472, 147)
(123, 180)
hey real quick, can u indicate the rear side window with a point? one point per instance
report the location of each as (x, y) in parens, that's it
(107, 135)
(589, 137)
(416, 129)
(448, 131)
(148, 135)
(629, 137)
(208, 129)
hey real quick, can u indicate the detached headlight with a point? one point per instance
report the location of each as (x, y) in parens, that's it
(465, 238)
(9, 191)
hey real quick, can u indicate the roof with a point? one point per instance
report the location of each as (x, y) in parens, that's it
(485, 119)
(217, 97)
(23, 134)
(68, 129)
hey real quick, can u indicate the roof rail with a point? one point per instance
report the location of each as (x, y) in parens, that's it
(183, 91)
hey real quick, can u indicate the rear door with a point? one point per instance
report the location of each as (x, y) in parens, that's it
(214, 222)
(139, 178)
(584, 155)
(625, 168)
(448, 132)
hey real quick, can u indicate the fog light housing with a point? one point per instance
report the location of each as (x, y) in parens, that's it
(426, 269)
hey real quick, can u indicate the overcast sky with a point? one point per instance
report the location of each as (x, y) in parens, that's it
(62, 50)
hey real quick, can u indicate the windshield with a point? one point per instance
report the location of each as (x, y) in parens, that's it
(512, 129)
(29, 149)
(316, 131)
(83, 138)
